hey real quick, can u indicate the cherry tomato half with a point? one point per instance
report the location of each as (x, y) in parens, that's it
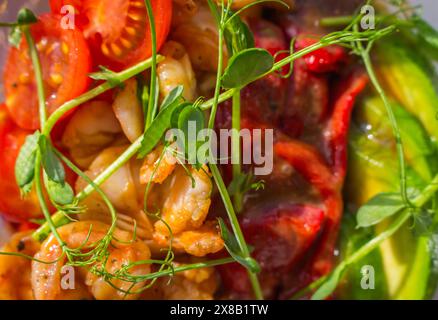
(65, 61)
(118, 30)
(12, 206)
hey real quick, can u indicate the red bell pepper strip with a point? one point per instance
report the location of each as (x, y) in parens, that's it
(308, 161)
(327, 180)
(280, 237)
(322, 60)
(337, 131)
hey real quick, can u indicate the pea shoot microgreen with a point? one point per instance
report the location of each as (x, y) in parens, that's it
(379, 208)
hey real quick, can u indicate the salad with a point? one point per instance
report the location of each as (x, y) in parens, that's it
(219, 149)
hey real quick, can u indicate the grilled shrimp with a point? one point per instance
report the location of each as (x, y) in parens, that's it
(197, 242)
(120, 187)
(157, 168)
(92, 128)
(184, 200)
(186, 206)
(46, 278)
(176, 69)
(202, 45)
(15, 271)
(128, 110)
(186, 203)
(183, 10)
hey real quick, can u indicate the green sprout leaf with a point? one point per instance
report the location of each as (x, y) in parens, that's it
(426, 32)
(423, 222)
(25, 163)
(191, 117)
(174, 96)
(379, 208)
(26, 16)
(14, 37)
(238, 36)
(233, 249)
(246, 66)
(158, 127)
(52, 165)
(60, 193)
(107, 75)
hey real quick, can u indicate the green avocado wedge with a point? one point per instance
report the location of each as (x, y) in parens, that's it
(409, 78)
(402, 264)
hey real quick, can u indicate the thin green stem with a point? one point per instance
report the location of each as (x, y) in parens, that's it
(215, 171)
(219, 22)
(396, 131)
(337, 21)
(345, 20)
(38, 75)
(427, 193)
(235, 148)
(153, 105)
(222, 98)
(42, 116)
(235, 226)
(42, 201)
(171, 271)
(9, 24)
(340, 21)
(309, 289)
(218, 80)
(230, 209)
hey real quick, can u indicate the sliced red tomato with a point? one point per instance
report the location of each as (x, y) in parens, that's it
(12, 206)
(65, 61)
(118, 30)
